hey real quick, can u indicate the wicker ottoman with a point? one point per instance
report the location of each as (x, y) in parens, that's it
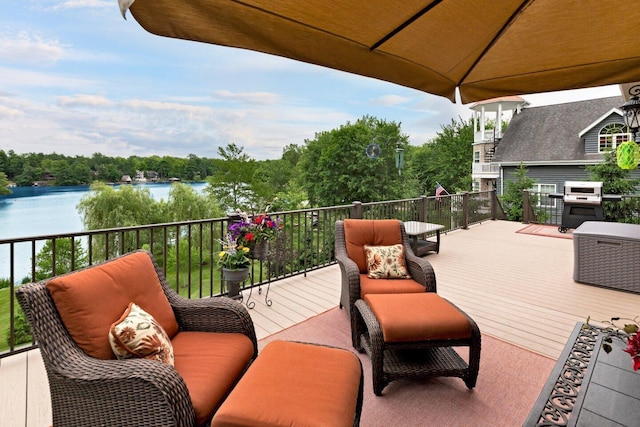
(411, 335)
(296, 384)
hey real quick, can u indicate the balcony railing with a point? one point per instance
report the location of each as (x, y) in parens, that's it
(187, 251)
(492, 169)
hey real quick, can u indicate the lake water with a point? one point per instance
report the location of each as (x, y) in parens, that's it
(37, 211)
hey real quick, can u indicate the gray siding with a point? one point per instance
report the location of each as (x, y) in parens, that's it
(549, 175)
(591, 138)
(553, 175)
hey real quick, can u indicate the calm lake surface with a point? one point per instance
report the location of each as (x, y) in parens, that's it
(37, 211)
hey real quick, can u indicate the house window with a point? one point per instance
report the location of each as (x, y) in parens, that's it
(611, 135)
(476, 186)
(542, 191)
(476, 157)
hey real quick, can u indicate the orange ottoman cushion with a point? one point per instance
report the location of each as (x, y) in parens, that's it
(294, 384)
(210, 364)
(90, 300)
(417, 317)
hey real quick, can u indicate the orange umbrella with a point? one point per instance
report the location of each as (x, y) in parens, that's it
(486, 48)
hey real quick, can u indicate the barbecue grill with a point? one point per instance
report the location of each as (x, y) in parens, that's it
(582, 202)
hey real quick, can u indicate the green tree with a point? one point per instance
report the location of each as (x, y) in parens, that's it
(107, 207)
(335, 168)
(184, 203)
(446, 159)
(230, 185)
(28, 176)
(293, 197)
(615, 181)
(66, 260)
(4, 184)
(513, 197)
(21, 329)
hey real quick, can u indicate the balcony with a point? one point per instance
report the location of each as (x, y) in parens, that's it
(518, 288)
(480, 137)
(485, 170)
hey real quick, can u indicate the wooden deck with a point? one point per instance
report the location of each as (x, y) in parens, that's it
(518, 288)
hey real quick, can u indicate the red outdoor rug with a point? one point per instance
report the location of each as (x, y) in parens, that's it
(546, 230)
(509, 381)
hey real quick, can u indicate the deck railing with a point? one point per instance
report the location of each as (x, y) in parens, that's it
(549, 210)
(187, 251)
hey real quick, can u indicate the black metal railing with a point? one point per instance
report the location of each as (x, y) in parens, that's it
(187, 251)
(549, 210)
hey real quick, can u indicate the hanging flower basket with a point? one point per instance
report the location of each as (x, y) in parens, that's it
(260, 250)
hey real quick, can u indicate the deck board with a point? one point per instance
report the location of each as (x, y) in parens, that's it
(519, 288)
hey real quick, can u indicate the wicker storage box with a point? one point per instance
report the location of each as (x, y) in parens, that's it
(607, 254)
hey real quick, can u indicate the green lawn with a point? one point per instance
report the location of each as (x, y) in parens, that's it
(4, 318)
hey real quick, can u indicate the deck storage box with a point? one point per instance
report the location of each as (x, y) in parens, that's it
(607, 254)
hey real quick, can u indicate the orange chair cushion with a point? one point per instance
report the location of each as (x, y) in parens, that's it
(388, 286)
(90, 300)
(361, 232)
(295, 384)
(210, 364)
(417, 317)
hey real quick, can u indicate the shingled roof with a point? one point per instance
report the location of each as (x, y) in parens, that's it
(552, 132)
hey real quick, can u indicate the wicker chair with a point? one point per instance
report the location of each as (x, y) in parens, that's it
(89, 391)
(420, 269)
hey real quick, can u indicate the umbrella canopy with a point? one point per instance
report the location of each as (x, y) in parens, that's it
(486, 48)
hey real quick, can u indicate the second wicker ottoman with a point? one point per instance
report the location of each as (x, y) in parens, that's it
(411, 335)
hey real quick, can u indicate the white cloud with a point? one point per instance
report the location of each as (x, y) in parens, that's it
(263, 98)
(141, 104)
(84, 100)
(9, 112)
(389, 100)
(31, 49)
(36, 79)
(564, 96)
(82, 4)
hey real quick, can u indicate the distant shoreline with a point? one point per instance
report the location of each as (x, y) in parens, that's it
(28, 191)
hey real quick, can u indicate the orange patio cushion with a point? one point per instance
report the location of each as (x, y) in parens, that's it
(210, 364)
(417, 317)
(295, 384)
(360, 232)
(388, 286)
(90, 300)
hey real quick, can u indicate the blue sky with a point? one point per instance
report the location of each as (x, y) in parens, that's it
(75, 79)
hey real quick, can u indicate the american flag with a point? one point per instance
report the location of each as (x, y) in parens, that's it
(439, 190)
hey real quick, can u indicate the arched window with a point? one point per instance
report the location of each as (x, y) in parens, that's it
(611, 135)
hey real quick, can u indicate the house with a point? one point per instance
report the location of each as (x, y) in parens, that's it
(140, 177)
(555, 142)
(126, 179)
(489, 120)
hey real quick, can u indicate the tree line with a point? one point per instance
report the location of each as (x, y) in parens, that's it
(335, 167)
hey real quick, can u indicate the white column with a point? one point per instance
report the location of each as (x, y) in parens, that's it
(499, 121)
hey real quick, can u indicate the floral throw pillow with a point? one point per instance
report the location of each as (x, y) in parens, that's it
(137, 334)
(386, 262)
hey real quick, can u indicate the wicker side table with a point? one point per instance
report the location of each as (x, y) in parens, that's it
(419, 359)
